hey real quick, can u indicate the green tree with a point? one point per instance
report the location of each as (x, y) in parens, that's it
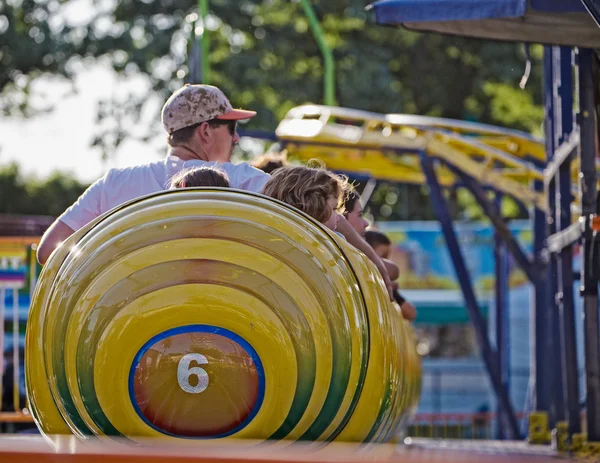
(263, 55)
(13, 194)
(34, 40)
(50, 196)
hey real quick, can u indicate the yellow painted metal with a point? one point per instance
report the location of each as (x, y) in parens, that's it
(583, 449)
(382, 348)
(380, 146)
(485, 174)
(539, 433)
(45, 413)
(210, 249)
(177, 306)
(335, 358)
(560, 436)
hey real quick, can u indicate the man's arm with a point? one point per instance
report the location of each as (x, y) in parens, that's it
(344, 227)
(53, 237)
(85, 209)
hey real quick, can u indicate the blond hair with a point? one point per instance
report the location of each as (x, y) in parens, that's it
(307, 189)
(200, 176)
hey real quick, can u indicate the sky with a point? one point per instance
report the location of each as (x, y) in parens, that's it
(61, 139)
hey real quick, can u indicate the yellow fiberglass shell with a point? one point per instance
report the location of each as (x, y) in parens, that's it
(215, 313)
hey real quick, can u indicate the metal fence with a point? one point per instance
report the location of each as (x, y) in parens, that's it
(455, 425)
(457, 400)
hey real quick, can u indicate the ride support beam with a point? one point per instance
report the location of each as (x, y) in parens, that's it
(490, 356)
(560, 134)
(493, 213)
(542, 339)
(589, 278)
(545, 333)
(502, 314)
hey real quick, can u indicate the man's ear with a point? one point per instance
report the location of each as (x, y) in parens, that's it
(203, 131)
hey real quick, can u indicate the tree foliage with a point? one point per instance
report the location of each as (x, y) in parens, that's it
(263, 55)
(31, 196)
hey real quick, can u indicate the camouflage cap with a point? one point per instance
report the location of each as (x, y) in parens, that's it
(192, 104)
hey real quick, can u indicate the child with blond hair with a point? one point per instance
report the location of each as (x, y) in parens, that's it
(316, 192)
(320, 194)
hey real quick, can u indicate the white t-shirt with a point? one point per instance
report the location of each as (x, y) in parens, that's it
(121, 185)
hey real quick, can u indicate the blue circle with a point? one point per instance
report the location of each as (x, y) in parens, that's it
(201, 329)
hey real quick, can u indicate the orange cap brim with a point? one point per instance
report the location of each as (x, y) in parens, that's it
(237, 115)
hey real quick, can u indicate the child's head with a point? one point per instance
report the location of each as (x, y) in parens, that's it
(380, 243)
(200, 176)
(316, 192)
(270, 162)
(353, 212)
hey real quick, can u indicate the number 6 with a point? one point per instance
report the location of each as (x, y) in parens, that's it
(184, 372)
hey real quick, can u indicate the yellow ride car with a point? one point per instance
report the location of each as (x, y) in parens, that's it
(216, 313)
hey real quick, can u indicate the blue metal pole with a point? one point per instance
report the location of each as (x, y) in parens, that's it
(490, 357)
(556, 390)
(543, 306)
(502, 315)
(530, 269)
(589, 284)
(553, 127)
(560, 207)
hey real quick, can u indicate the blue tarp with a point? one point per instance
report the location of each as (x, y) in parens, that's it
(558, 6)
(401, 11)
(550, 22)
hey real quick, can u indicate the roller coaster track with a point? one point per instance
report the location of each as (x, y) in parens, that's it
(386, 147)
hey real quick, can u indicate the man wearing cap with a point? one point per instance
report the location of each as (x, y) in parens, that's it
(201, 127)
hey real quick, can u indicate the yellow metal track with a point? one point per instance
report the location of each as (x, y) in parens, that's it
(384, 146)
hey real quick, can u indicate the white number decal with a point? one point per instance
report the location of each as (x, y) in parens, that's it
(184, 372)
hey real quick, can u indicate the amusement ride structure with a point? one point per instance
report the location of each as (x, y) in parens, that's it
(133, 310)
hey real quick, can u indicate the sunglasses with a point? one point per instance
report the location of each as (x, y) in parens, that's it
(231, 125)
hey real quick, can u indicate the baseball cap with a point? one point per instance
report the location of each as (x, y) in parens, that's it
(192, 104)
